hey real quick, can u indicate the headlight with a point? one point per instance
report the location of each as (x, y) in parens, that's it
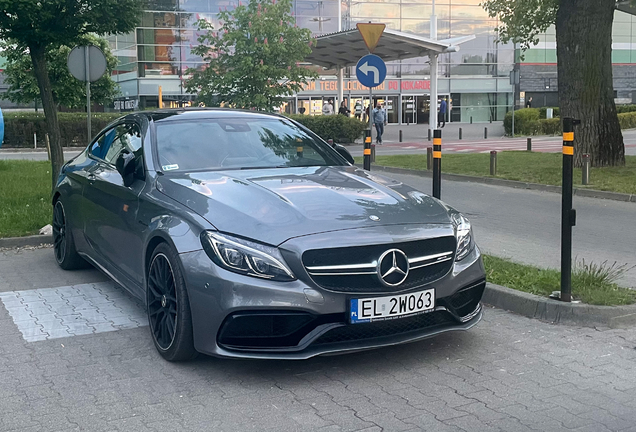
(246, 257)
(464, 235)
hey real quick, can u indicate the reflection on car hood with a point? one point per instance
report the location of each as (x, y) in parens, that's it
(273, 205)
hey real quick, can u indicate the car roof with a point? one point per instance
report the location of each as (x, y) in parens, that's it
(168, 115)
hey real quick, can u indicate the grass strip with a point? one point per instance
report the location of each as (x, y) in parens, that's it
(592, 283)
(25, 197)
(532, 167)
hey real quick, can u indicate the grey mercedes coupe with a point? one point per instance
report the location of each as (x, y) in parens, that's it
(246, 235)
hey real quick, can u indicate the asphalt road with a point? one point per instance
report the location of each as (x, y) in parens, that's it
(526, 225)
(509, 373)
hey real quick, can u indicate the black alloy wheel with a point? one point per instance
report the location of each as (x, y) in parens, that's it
(162, 301)
(168, 306)
(63, 244)
(59, 232)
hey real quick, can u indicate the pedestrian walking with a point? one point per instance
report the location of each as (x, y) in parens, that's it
(441, 117)
(529, 103)
(358, 109)
(379, 121)
(344, 110)
(327, 108)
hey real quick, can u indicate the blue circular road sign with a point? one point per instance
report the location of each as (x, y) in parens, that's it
(371, 70)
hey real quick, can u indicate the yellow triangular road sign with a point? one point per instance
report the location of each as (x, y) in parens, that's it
(371, 33)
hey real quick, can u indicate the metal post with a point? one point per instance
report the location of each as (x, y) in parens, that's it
(88, 93)
(372, 152)
(429, 134)
(35, 140)
(437, 163)
(400, 135)
(513, 115)
(485, 133)
(568, 214)
(432, 123)
(529, 145)
(371, 113)
(493, 163)
(429, 158)
(460, 133)
(586, 170)
(367, 150)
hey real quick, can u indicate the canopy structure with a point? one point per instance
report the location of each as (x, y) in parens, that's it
(345, 48)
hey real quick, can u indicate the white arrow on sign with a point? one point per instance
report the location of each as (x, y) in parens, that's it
(365, 69)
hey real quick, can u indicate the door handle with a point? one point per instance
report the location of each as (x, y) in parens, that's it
(91, 178)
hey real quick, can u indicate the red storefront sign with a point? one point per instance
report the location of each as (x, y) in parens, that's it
(392, 86)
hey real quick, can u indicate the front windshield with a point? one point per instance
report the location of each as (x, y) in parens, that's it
(238, 143)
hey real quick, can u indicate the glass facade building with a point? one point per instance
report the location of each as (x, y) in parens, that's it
(475, 80)
(538, 65)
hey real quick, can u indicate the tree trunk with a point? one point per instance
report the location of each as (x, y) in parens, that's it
(586, 91)
(38, 56)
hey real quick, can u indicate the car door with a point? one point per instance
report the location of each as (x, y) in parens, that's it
(112, 227)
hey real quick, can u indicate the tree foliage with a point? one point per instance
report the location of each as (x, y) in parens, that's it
(522, 20)
(39, 27)
(67, 90)
(253, 57)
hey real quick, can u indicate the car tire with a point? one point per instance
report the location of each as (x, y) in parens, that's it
(168, 306)
(64, 250)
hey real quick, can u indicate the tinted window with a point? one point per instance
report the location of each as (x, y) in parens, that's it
(112, 142)
(239, 143)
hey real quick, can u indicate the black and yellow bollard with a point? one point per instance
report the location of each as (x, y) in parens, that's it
(437, 163)
(568, 214)
(367, 150)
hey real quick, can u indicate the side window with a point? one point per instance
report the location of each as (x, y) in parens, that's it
(109, 146)
(100, 147)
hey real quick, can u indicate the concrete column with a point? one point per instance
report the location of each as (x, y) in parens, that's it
(340, 87)
(433, 101)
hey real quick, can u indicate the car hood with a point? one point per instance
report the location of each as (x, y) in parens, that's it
(274, 205)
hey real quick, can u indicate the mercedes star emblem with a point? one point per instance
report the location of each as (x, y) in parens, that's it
(393, 267)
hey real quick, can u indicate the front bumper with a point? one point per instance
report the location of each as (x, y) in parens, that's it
(218, 297)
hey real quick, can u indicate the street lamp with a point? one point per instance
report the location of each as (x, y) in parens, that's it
(319, 19)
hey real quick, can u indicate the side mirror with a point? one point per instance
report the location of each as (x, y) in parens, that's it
(344, 153)
(126, 167)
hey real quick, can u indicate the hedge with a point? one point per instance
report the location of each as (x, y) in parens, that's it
(625, 108)
(528, 123)
(627, 120)
(19, 128)
(337, 127)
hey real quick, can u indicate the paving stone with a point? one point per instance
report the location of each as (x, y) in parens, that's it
(557, 378)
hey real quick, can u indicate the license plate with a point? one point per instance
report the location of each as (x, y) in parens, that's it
(391, 307)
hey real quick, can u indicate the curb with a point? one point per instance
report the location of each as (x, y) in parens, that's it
(34, 240)
(578, 314)
(587, 193)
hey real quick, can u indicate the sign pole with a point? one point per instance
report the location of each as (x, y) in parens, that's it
(371, 113)
(88, 92)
